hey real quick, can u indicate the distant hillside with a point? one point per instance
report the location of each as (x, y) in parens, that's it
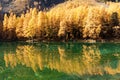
(18, 6)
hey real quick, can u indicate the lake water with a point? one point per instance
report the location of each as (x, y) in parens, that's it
(59, 61)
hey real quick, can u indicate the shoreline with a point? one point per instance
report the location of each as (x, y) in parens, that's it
(65, 41)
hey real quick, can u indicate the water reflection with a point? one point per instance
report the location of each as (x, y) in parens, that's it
(73, 59)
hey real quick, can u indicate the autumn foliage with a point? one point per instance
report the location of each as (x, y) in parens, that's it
(73, 19)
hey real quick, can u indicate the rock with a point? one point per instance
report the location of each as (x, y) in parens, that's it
(90, 41)
(19, 6)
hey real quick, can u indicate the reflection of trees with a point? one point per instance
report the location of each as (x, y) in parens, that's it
(91, 60)
(87, 63)
(110, 70)
(1, 69)
(25, 55)
(62, 59)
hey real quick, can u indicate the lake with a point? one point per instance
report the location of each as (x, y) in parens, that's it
(59, 61)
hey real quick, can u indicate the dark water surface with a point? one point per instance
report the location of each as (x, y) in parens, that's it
(59, 61)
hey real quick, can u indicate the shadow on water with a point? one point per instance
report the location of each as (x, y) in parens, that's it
(58, 61)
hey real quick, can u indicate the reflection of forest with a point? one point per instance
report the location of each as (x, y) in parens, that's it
(84, 60)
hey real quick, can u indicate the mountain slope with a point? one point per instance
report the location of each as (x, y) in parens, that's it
(18, 6)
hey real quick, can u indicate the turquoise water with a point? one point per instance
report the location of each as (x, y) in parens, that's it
(59, 61)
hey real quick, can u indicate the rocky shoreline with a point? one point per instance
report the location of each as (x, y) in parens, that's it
(65, 41)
